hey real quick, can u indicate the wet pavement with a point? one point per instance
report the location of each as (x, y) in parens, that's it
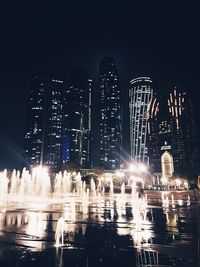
(109, 230)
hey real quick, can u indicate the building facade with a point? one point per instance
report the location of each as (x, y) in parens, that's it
(43, 139)
(140, 97)
(153, 135)
(53, 124)
(167, 165)
(110, 115)
(183, 133)
(77, 133)
(35, 122)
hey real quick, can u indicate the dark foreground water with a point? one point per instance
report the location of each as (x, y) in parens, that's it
(100, 231)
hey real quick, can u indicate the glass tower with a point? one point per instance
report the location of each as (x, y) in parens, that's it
(53, 128)
(35, 132)
(43, 136)
(110, 115)
(140, 96)
(77, 121)
(153, 135)
(183, 133)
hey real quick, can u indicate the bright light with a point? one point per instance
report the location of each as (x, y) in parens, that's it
(178, 182)
(139, 168)
(40, 170)
(133, 168)
(142, 167)
(164, 180)
(119, 174)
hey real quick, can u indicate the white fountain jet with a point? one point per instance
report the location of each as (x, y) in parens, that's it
(111, 188)
(3, 184)
(123, 188)
(61, 227)
(188, 201)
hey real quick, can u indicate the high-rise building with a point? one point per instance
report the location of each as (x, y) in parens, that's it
(183, 134)
(53, 124)
(175, 103)
(77, 120)
(173, 130)
(110, 115)
(192, 167)
(153, 135)
(140, 97)
(43, 138)
(35, 132)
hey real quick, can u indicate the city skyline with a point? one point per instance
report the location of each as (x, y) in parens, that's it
(159, 42)
(99, 133)
(66, 89)
(110, 117)
(68, 128)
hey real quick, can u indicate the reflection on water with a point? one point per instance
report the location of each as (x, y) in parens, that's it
(110, 223)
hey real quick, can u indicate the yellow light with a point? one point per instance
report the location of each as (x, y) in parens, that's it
(164, 180)
(178, 182)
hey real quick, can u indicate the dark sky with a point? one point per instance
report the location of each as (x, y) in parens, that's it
(158, 39)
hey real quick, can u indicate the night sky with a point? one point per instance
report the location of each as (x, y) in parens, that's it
(159, 40)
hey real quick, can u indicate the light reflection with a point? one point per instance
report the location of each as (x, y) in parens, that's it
(127, 212)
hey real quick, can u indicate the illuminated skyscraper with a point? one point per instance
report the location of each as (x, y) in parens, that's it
(183, 134)
(175, 103)
(43, 137)
(192, 167)
(35, 134)
(110, 115)
(140, 97)
(77, 121)
(53, 128)
(153, 135)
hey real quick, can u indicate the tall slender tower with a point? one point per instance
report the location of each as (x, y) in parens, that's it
(140, 96)
(153, 135)
(183, 134)
(110, 115)
(35, 123)
(175, 103)
(53, 124)
(77, 120)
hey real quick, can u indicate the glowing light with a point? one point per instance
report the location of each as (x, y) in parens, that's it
(59, 234)
(164, 180)
(180, 202)
(40, 170)
(138, 168)
(120, 174)
(132, 168)
(142, 167)
(178, 182)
